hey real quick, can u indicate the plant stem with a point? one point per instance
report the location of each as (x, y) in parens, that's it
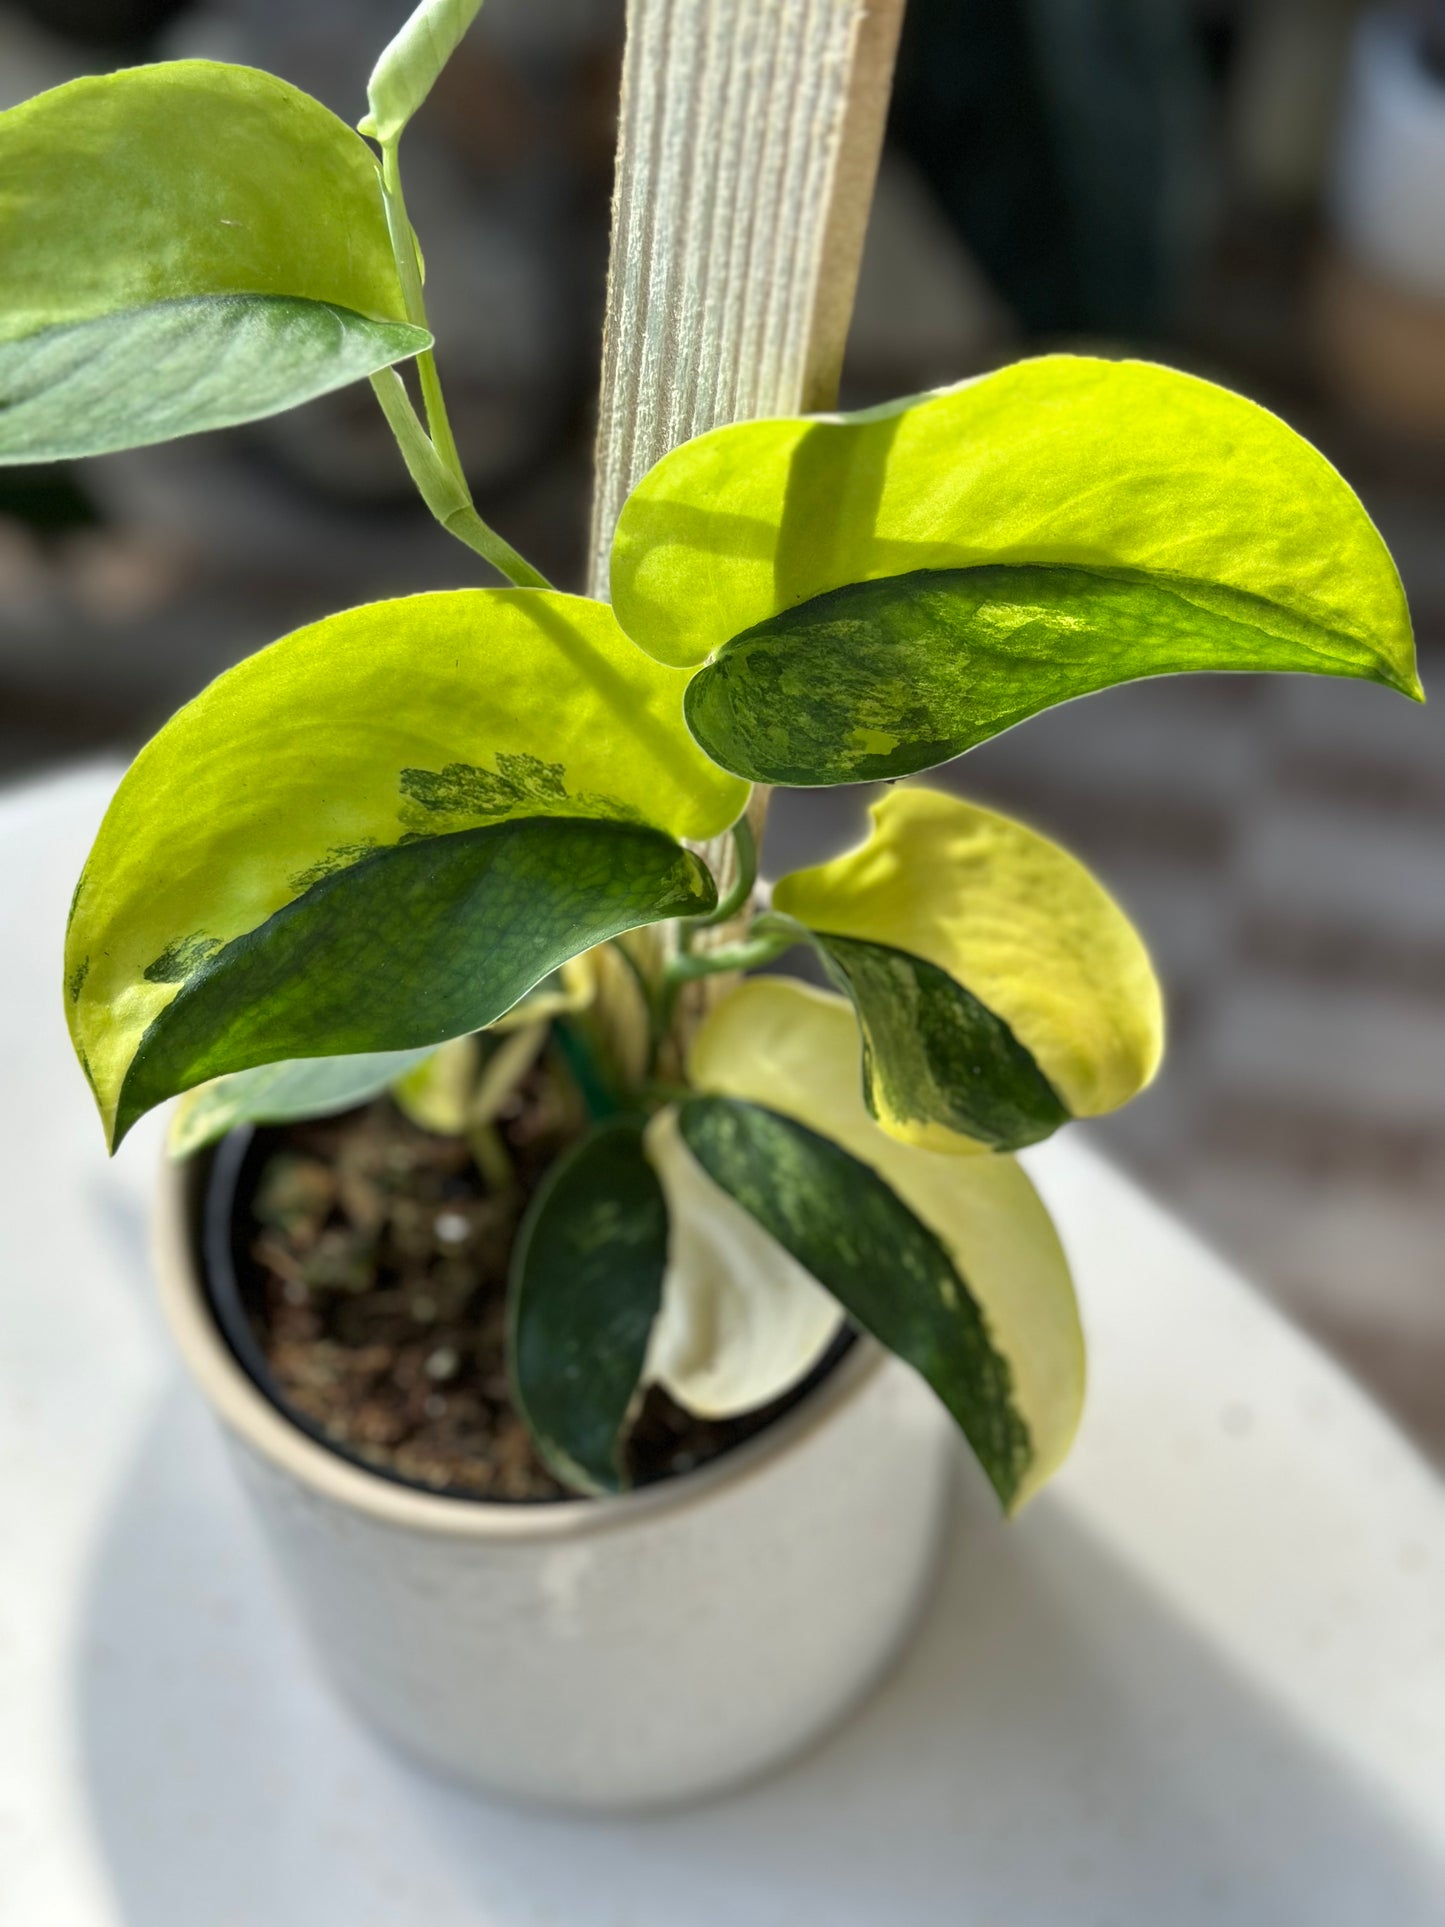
(490, 1154)
(430, 453)
(768, 937)
(741, 893)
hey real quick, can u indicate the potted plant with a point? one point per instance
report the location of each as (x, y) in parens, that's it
(713, 1265)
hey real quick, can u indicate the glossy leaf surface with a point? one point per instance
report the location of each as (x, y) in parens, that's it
(410, 946)
(411, 63)
(741, 1320)
(899, 675)
(795, 1051)
(586, 1285)
(1119, 468)
(1000, 990)
(186, 246)
(856, 1236)
(384, 733)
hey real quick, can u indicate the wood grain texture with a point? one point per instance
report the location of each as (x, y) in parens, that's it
(747, 151)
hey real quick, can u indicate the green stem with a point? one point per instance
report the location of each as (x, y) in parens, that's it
(741, 893)
(431, 453)
(443, 491)
(768, 937)
(492, 1159)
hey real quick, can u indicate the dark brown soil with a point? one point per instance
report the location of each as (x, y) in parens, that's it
(380, 1300)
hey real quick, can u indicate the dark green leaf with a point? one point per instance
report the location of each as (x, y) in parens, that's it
(887, 1269)
(415, 944)
(386, 725)
(586, 1286)
(933, 1054)
(884, 678)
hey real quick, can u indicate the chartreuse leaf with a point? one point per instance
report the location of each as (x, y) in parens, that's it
(741, 1320)
(586, 1283)
(411, 64)
(999, 989)
(379, 833)
(995, 1329)
(878, 592)
(185, 246)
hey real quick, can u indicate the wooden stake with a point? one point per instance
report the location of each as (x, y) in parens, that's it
(747, 152)
(748, 148)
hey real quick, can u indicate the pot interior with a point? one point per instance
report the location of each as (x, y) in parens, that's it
(259, 1315)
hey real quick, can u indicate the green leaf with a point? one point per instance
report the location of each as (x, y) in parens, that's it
(586, 1285)
(857, 1237)
(370, 743)
(1061, 525)
(186, 246)
(411, 946)
(794, 1051)
(279, 1093)
(937, 1059)
(894, 676)
(999, 989)
(411, 64)
(152, 374)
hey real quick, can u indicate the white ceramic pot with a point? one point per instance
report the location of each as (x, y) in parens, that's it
(614, 1654)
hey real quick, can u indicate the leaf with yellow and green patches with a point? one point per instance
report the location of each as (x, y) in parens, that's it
(872, 594)
(379, 833)
(186, 246)
(1000, 990)
(586, 1285)
(961, 1273)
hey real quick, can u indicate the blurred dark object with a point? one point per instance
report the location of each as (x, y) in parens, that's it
(48, 499)
(117, 24)
(1432, 37)
(1379, 296)
(1068, 140)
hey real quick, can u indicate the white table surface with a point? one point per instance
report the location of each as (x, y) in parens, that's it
(1201, 1680)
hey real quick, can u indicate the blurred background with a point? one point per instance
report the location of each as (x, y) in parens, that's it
(1253, 189)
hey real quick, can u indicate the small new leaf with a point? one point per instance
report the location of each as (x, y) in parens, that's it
(937, 1062)
(411, 64)
(586, 1285)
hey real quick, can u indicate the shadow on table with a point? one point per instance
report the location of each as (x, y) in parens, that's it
(1055, 1748)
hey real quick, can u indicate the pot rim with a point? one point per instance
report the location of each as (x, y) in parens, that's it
(247, 1412)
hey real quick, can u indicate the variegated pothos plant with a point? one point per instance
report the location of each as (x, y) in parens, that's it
(469, 820)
